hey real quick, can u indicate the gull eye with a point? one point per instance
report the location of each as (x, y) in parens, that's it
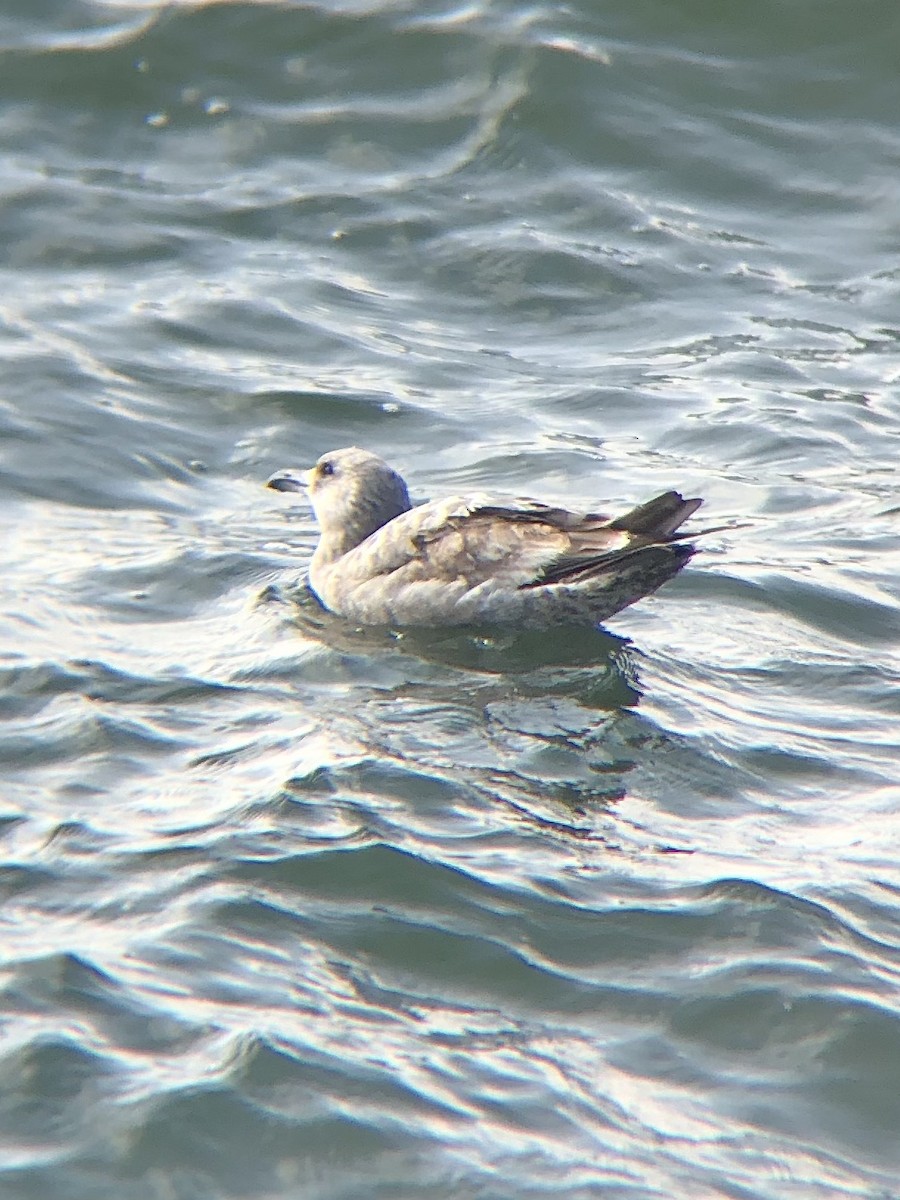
(326, 467)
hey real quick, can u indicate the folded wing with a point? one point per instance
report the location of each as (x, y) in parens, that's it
(523, 546)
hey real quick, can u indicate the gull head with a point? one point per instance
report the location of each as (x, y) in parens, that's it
(353, 492)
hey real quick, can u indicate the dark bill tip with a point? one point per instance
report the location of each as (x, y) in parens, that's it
(287, 481)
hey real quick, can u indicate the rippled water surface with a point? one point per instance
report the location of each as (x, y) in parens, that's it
(295, 909)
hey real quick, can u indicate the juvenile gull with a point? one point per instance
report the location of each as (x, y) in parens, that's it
(477, 559)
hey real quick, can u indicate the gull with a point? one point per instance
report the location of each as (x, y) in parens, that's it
(477, 559)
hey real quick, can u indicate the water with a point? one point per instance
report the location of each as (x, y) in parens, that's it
(292, 909)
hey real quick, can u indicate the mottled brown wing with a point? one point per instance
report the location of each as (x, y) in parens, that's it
(517, 547)
(535, 544)
(596, 549)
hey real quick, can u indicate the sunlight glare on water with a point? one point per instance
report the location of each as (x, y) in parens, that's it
(296, 908)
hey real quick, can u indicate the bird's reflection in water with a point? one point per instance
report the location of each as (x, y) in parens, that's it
(529, 719)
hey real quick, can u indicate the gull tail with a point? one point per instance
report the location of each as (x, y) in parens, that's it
(658, 519)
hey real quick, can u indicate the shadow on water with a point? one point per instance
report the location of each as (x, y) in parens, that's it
(539, 659)
(544, 724)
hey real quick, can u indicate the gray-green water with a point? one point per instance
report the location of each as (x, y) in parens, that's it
(294, 910)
